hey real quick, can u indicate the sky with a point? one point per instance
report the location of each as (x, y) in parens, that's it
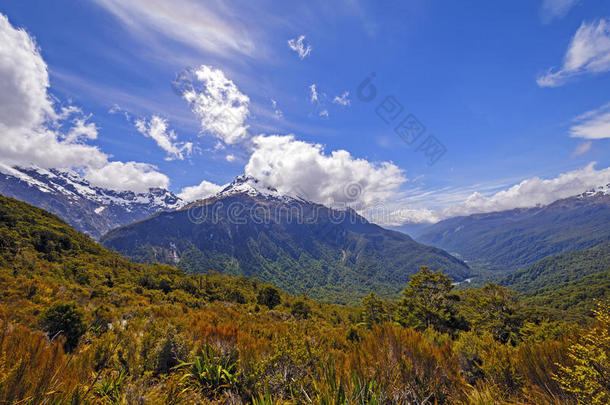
(409, 112)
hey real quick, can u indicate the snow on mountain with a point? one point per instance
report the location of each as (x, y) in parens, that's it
(600, 190)
(90, 209)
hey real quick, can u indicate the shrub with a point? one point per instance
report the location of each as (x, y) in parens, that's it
(269, 296)
(301, 309)
(64, 319)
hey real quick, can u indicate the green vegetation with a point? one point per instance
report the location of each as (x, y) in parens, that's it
(511, 240)
(82, 325)
(334, 257)
(569, 281)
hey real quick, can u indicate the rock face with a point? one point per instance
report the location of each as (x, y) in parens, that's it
(515, 239)
(300, 246)
(89, 209)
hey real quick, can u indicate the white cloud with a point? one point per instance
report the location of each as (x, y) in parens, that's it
(555, 9)
(29, 121)
(230, 158)
(594, 124)
(588, 53)
(343, 99)
(299, 46)
(156, 128)
(337, 179)
(219, 104)
(582, 148)
(276, 110)
(205, 26)
(323, 113)
(203, 190)
(529, 193)
(313, 93)
(82, 130)
(137, 177)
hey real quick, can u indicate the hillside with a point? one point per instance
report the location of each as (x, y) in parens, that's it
(80, 325)
(511, 240)
(89, 209)
(297, 245)
(566, 281)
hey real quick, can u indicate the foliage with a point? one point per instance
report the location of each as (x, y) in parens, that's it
(64, 319)
(269, 296)
(160, 336)
(587, 374)
(428, 303)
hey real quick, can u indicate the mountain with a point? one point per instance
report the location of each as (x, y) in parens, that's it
(89, 209)
(566, 281)
(298, 245)
(515, 239)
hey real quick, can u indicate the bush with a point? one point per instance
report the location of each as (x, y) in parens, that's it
(64, 319)
(269, 296)
(301, 309)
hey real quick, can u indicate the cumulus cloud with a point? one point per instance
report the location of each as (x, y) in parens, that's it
(588, 53)
(218, 103)
(555, 9)
(337, 179)
(594, 124)
(343, 99)
(137, 177)
(157, 129)
(529, 193)
(82, 130)
(298, 45)
(29, 120)
(203, 190)
(230, 157)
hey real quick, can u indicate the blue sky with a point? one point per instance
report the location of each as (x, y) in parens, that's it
(490, 80)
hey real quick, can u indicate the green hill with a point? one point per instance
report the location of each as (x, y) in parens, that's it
(566, 281)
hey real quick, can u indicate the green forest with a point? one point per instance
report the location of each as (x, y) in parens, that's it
(80, 324)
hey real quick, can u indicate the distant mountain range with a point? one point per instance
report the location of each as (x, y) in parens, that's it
(89, 209)
(298, 245)
(515, 239)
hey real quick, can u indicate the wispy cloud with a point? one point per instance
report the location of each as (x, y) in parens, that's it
(298, 45)
(555, 9)
(582, 148)
(205, 26)
(588, 53)
(594, 124)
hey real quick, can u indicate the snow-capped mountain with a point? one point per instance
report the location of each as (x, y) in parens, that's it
(597, 191)
(90, 209)
(301, 246)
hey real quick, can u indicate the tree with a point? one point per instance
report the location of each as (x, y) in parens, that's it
(494, 309)
(64, 319)
(428, 302)
(269, 296)
(373, 311)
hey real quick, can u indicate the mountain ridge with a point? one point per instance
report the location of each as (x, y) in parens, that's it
(298, 245)
(90, 209)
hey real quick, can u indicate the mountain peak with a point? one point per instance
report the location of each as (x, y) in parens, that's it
(600, 190)
(249, 185)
